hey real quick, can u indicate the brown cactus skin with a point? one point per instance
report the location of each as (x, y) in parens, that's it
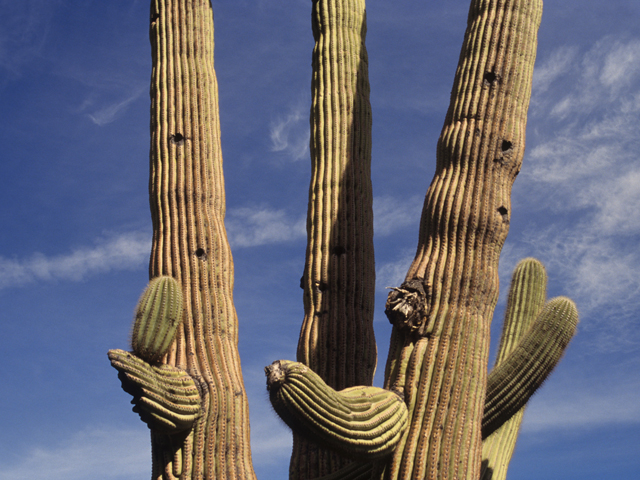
(337, 339)
(464, 223)
(189, 243)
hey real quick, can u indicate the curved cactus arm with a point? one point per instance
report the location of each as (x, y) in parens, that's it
(166, 398)
(512, 383)
(527, 296)
(361, 422)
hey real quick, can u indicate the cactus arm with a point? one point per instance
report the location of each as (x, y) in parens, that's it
(158, 316)
(464, 223)
(166, 398)
(527, 295)
(337, 339)
(513, 381)
(363, 423)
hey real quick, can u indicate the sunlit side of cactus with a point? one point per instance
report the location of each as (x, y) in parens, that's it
(187, 201)
(465, 220)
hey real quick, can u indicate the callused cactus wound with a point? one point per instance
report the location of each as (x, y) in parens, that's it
(158, 316)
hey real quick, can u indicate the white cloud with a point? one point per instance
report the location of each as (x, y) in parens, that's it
(100, 453)
(584, 177)
(24, 27)
(391, 274)
(584, 406)
(391, 214)
(290, 134)
(253, 226)
(125, 251)
(109, 113)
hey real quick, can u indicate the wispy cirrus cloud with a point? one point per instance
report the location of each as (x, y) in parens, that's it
(124, 251)
(262, 225)
(108, 113)
(290, 134)
(24, 27)
(99, 452)
(391, 214)
(584, 177)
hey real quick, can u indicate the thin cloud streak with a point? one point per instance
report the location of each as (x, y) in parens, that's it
(109, 113)
(125, 251)
(254, 226)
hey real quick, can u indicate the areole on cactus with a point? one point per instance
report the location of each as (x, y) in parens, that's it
(438, 407)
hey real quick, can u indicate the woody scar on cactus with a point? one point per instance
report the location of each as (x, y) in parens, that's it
(438, 405)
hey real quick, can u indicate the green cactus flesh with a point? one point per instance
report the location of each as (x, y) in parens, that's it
(441, 368)
(527, 296)
(165, 397)
(361, 422)
(514, 380)
(158, 316)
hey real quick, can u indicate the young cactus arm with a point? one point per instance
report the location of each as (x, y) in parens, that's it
(512, 383)
(166, 398)
(527, 296)
(362, 423)
(158, 316)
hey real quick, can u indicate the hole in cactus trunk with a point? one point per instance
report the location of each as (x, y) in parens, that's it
(339, 250)
(155, 17)
(177, 139)
(490, 77)
(506, 145)
(201, 254)
(505, 213)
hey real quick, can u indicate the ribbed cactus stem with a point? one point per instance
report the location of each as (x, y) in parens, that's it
(166, 398)
(361, 422)
(339, 274)
(527, 296)
(513, 381)
(158, 316)
(465, 220)
(190, 243)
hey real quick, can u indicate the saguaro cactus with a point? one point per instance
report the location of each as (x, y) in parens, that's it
(190, 244)
(438, 404)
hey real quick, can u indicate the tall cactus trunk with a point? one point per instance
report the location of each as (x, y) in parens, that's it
(465, 220)
(189, 243)
(337, 339)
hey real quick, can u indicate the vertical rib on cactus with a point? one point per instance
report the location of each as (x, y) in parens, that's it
(464, 223)
(336, 339)
(526, 298)
(189, 242)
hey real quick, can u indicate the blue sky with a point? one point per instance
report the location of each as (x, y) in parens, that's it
(75, 225)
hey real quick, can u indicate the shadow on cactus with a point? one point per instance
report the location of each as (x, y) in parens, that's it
(440, 414)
